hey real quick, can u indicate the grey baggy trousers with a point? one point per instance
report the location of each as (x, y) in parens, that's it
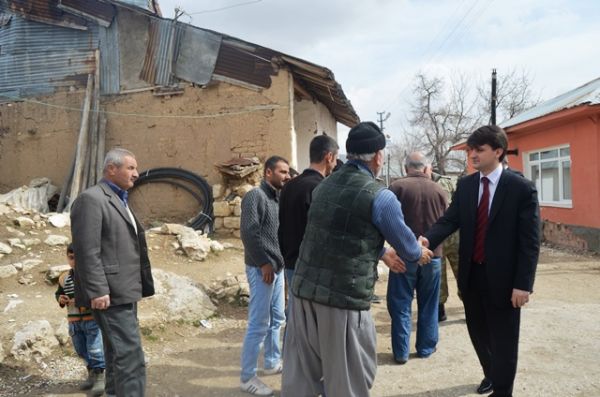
(328, 351)
(125, 365)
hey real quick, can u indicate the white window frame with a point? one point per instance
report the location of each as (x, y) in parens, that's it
(527, 163)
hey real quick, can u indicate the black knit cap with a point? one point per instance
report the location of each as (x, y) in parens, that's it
(365, 137)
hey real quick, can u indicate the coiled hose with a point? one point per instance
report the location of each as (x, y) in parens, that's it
(201, 191)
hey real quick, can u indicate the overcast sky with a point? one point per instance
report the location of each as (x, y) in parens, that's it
(375, 47)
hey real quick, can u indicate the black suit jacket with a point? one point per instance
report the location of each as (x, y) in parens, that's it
(512, 241)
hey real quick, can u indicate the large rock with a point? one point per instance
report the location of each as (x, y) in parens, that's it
(55, 239)
(28, 242)
(55, 271)
(62, 332)
(217, 191)
(195, 246)
(35, 341)
(173, 228)
(5, 248)
(4, 209)
(16, 242)
(243, 189)
(59, 220)
(221, 208)
(24, 221)
(29, 264)
(177, 298)
(232, 222)
(237, 210)
(8, 271)
(15, 232)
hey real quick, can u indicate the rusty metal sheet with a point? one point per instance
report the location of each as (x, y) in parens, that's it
(197, 55)
(97, 11)
(240, 64)
(46, 11)
(110, 59)
(164, 37)
(37, 57)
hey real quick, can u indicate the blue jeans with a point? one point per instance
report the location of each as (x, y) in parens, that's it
(265, 318)
(401, 286)
(87, 340)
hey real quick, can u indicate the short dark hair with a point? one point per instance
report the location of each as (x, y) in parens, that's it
(272, 161)
(70, 249)
(320, 146)
(491, 135)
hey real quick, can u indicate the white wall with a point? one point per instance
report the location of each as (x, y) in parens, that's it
(310, 119)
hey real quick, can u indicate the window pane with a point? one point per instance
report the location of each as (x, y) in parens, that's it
(535, 178)
(534, 156)
(550, 154)
(564, 152)
(566, 168)
(549, 181)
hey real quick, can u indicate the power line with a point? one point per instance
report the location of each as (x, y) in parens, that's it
(458, 31)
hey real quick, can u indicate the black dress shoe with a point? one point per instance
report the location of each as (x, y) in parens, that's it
(442, 313)
(485, 386)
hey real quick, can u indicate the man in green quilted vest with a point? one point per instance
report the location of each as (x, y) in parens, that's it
(330, 345)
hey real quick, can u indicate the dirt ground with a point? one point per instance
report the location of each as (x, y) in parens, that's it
(559, 351)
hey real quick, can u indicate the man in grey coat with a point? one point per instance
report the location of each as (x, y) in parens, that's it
(113, 270)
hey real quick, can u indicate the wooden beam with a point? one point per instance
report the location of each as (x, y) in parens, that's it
(82, 142)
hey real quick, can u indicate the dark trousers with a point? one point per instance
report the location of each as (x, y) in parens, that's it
(125, 366)
(494, 332)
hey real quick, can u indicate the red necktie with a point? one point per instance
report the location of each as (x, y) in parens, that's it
(482, 220)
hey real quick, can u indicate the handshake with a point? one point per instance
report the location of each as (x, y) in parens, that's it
(397, 265)
(426, 253)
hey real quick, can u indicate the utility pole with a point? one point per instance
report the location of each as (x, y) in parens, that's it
(383, 118)
(494, 99)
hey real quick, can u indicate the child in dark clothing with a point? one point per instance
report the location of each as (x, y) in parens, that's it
(85, 334)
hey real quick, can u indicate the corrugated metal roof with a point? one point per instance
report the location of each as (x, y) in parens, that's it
(241, 64)
(197, 55)
(163, 41)
(97, 11)
(110, 59)
(46, 11)
(20, 36)
(145, 4)
(588, 93)
(254, 64)
(36, 57)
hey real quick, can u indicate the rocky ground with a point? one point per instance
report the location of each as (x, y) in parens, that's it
(559, 355)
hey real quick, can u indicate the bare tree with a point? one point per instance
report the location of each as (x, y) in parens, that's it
(514, 94)
(440, 118)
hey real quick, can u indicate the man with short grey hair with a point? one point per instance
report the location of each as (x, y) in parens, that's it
(113, 270)
(423, 202)
(330, 344)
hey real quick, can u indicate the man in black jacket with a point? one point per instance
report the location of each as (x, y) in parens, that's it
(296, 197)
(497, 213)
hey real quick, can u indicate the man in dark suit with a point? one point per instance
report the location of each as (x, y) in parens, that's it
(113, 270)
(497, 214)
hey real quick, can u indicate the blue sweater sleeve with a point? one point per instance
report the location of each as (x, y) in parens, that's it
(389, 220)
